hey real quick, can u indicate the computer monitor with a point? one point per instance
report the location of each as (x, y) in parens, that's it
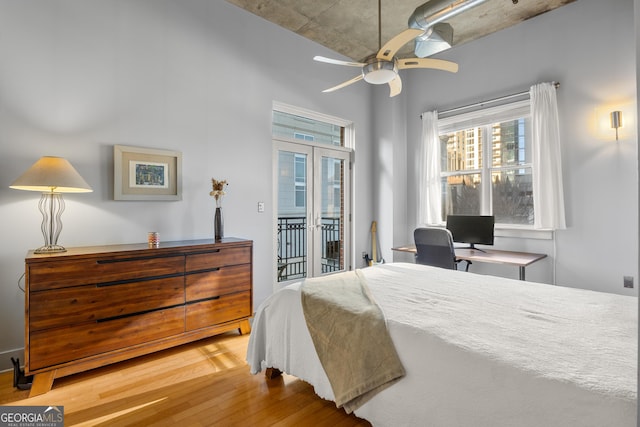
(471, 229)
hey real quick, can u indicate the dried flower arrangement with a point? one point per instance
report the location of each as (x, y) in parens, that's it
(218, 190)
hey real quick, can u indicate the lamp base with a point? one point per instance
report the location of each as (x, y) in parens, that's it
(50, 249)
(51, 206)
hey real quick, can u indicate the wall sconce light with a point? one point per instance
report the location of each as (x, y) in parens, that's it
(52, 176)
(616, 121)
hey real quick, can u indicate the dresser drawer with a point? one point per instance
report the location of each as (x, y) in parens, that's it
(67, 306)
(218, 258)
(61, 274)
(225, 280)
(223, 309)
(60, 345)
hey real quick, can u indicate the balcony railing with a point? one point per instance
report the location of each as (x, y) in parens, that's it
(292, 247)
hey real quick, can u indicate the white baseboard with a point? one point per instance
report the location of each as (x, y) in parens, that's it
(5, 359)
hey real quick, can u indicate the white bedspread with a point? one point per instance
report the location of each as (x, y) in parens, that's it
(478, 350)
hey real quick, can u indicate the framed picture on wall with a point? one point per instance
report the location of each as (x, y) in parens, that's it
(146, 174)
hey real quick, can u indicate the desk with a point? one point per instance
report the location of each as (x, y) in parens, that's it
(494, 256)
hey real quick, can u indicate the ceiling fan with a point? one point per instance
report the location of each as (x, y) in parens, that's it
(383, 66)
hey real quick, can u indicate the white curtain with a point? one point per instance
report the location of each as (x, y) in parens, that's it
(429, 188)
(548, 194)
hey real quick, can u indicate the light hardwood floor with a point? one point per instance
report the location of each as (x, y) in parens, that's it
(206, 383)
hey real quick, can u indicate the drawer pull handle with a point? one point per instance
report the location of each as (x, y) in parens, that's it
(206, 270)
(203, 299)
(136, 280)
(212, 251)
(138, 313)
(141, 258)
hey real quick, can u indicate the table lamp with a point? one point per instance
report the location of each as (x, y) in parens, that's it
(52, 176)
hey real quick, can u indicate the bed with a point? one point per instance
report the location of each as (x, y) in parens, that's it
(477, 350)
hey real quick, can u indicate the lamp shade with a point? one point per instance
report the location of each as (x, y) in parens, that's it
(53, 174)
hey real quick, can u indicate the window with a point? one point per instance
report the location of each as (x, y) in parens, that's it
(286, 125)
(304, 137)
(486, 165)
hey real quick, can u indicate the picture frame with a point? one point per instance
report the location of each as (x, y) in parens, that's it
(141, 173)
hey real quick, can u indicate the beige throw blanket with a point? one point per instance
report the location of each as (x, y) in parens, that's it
(350, 336)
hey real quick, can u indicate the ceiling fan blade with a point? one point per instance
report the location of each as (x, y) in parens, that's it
(395, 87)
(389, 50)
(437, 64)
(347, 83)
(338, 61)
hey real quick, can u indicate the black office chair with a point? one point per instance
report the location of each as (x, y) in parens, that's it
(434, 247)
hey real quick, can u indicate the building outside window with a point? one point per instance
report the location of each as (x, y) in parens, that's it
(486, 168)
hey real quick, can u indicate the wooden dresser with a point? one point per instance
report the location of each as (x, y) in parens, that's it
(92, 306)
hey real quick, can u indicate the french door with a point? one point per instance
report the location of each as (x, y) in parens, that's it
(313, 216)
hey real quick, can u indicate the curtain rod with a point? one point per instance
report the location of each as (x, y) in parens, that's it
(490, 101)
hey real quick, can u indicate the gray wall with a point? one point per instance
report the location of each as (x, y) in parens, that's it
(589, 47)
(197, 76)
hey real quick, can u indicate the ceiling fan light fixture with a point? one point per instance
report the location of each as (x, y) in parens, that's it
(382, 67)
(380, 72)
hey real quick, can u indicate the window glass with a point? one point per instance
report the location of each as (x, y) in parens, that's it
(504, 161)
(461, 194)
(301, 128)
(463, 150)
(512, 199)
(510, 143)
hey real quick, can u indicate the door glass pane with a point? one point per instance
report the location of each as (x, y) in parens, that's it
(300, 174)
(332, 215)
(292, 216)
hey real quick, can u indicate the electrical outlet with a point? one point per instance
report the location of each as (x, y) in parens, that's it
(627, 281)
(260, 206)
(364, 255)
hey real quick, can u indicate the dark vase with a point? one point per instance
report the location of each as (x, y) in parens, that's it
(218, 224)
